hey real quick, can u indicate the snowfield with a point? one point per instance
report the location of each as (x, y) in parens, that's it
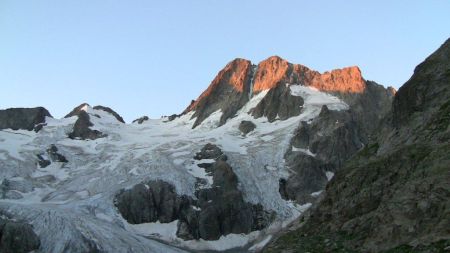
(70, 205)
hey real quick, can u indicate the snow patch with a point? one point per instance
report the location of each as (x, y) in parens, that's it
(329, 175)
(260, 245)
(226, 242)
(304, 151)
(168, 231)
(316, 194)
(314, 97)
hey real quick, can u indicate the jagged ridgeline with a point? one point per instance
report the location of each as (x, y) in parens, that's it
(394, 194)
(255, 150)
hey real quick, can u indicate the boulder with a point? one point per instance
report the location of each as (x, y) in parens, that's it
(141, 120)
(246, 127)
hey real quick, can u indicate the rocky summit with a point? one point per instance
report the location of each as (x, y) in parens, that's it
(271, 157)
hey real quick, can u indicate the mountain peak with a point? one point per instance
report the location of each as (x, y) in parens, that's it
(76, 110)
(236, 83)
(269, 73)
(345, 80)
(235, 75)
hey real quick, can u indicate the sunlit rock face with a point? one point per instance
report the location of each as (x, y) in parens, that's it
(270, 73)
(240, 80)
(275, 71)
(226, 92)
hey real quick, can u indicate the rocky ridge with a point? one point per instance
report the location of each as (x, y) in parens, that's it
(392, 196)
(240, 80)
(23, 118)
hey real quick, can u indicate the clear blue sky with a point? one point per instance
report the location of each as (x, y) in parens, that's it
(153, 57)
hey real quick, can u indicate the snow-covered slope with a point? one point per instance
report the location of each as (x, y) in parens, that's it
(70, 204)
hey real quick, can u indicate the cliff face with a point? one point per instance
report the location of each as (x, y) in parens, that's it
(240, 80)
(227, 92)
(23, 118)
(275, 70)
(394, 195)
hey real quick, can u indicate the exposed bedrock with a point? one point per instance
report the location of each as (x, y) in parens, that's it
(51, 155)
(246, 127)
(109, 110)
(321, 147)
(215, 211)
(23, 118)
(81, 128)
(394, 194)
(278, 104)
(224, 93)
(141, 120)
(318, 148)
(17, 237)
(239, 81)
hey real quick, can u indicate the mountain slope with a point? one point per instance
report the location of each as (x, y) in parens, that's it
(239, 81)
(208, 179)
(394, 195)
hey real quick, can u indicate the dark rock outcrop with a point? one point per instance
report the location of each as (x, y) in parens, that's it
(278, 104)
(52, 152)
(209, 151)
(173, 116)
(81, 129)
(216, 211)
(53, 156)
(76, 111)
(415, 100)
(141, 120)
(149, 202)
(23, 118)
(228, 92)
(17, 237)
(321, 146)
(222, 209)
(109, 110)
(246, 127)
(393, 195)
(331, 139)
(43, 163)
